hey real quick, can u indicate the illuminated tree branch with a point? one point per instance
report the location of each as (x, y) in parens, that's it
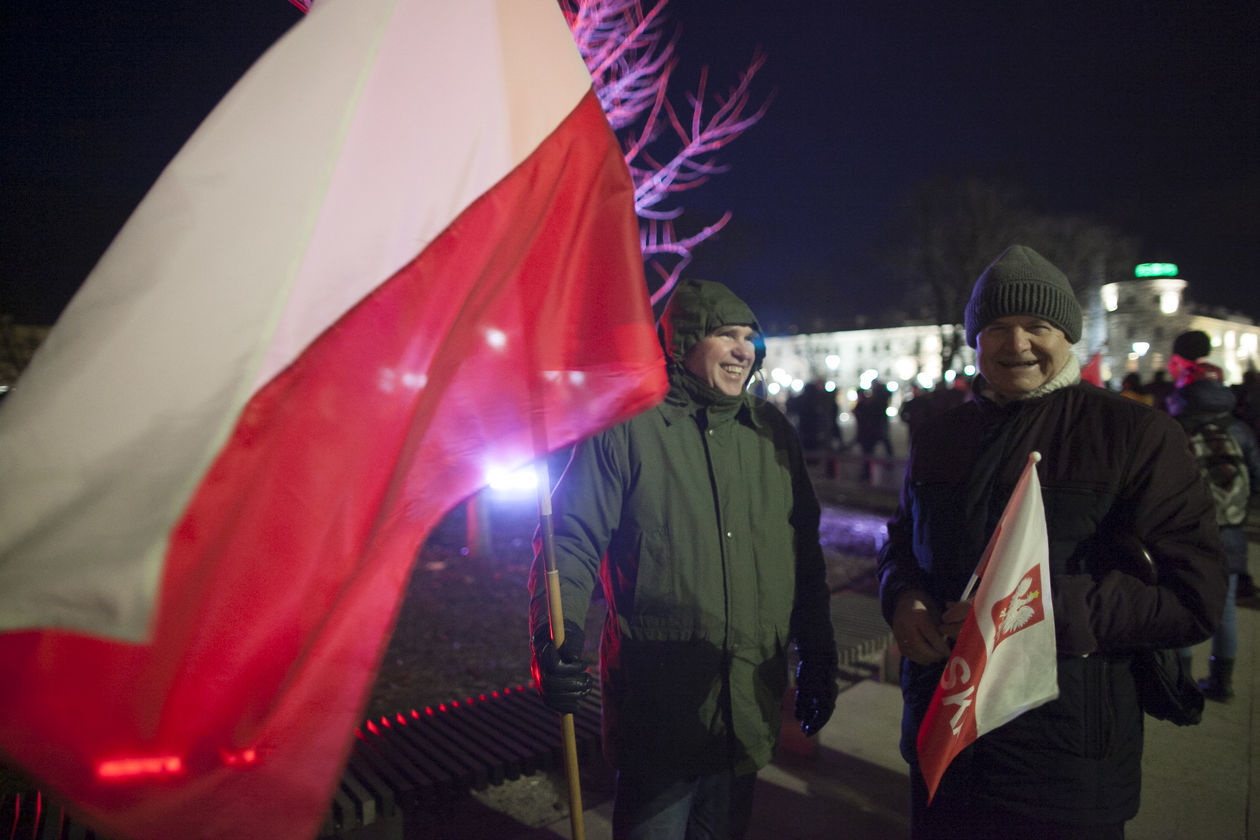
(631, 60)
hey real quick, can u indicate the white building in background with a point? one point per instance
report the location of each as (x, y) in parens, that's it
(850, 359)
(1130, 324)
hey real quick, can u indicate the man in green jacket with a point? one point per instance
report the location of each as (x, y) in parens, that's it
(700, 519)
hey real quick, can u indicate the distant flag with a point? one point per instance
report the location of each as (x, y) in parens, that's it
(400, 253)
(1092, 372)
(1003, 663)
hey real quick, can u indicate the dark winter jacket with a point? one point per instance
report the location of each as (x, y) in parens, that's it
(1115, 475)
(700, 519)
(1205, 401)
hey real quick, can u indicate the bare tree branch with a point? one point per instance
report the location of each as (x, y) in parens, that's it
(631, 59)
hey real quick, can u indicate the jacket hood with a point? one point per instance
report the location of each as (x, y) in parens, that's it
(697, 308)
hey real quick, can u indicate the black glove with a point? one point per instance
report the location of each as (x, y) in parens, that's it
(560, 675)
(815, 694)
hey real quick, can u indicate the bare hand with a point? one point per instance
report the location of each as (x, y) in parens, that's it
(916, 623)
(952, 619)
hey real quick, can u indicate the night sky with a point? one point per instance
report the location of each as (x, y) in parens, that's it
(1144, 115)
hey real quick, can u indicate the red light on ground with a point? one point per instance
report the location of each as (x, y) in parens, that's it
(241, 758)
(428, 710)
(454, 704)
(402, 719)
(480, 697)
(385, 722)
(358, 733)
(441, 707)
(372, 728)
(135, 768)
(469, 700)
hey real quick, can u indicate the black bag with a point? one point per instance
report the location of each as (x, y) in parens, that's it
(1164, 689)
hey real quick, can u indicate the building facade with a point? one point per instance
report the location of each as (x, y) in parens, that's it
(1129, 324)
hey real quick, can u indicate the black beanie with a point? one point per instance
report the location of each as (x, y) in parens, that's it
(1022, 282)
(1192, 345)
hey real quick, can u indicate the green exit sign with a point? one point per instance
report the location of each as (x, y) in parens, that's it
(1155, 270)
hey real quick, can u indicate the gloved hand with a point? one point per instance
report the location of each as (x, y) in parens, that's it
(560, 675)
(815, 694)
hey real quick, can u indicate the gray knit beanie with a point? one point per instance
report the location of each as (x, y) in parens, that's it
(1022, 282)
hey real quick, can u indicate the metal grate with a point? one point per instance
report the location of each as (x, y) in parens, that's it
(418, 756)
(860, 626)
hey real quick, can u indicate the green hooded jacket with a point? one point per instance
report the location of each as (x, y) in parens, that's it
(700, 519)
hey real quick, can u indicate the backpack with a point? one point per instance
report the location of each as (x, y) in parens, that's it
(1224, 469)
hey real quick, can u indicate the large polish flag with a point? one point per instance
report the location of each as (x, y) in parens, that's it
(1004, 662)
(402, 250)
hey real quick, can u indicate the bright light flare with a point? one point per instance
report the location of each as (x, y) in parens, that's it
(520, 480)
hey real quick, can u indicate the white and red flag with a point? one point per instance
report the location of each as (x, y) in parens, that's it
(1003, 663)
(402, 250)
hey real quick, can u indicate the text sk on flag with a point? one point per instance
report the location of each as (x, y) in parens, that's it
(1004, 661)
(402, 251)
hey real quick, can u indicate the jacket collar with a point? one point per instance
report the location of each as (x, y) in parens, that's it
(687, 398)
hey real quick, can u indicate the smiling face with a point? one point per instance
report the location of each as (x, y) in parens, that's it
(1020, 353)
(724, 358)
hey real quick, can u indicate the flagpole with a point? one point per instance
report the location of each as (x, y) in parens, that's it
(555, 613)
(1033, 457)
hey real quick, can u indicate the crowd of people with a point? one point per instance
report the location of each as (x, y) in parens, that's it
(699, 523)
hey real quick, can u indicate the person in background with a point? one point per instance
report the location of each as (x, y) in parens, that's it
(700, 520)
(1204, 407)
(1159, 388)
(817, 417)
(870, 413)
(1117, 481)
(916, 409)
(1131, 387)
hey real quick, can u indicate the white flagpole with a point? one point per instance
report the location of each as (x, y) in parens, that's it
(1033, 458)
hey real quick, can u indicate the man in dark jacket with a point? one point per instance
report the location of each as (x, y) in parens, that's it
(1118, 483)
(700, 519)
(1200, 402)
